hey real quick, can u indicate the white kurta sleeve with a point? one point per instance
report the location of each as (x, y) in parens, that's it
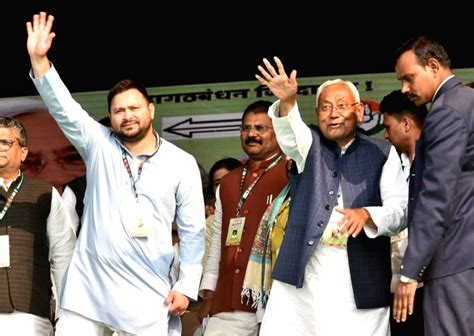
(61, 239)
(390, 218)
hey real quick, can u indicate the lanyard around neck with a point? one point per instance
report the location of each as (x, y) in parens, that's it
(246, 193)
(129, 171)
(140, 167)
(11, 197)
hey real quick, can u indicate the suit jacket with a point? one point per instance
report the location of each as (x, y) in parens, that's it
(411, 190)
(441, 227)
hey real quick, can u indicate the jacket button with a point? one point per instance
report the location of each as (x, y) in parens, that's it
(327, 207)
(331, 192)
(237, 271)
(320, 223)
(311, 243)
(239, 250)
(334, 174)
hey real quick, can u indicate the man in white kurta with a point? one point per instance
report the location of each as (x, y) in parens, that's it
(137, 185)
(325, 303)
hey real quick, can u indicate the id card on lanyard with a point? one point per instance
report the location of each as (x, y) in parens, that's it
(236, 224)
(140, 226)
(141, 223)
(5, 239)
(236, 228)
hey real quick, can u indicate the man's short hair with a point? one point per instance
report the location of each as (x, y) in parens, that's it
(398, 105)
(20, 132)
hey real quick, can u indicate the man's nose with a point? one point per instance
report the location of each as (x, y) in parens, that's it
(405, 88)
(127, 114)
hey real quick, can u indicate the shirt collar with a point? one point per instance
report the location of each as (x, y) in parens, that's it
(6, 187)
(439, 87)
(346, 146)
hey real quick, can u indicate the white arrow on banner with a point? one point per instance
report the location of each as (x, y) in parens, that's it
(203, 126)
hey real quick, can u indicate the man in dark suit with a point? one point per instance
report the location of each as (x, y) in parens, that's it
(441, 225)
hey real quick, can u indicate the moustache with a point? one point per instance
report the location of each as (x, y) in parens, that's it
(252, 140)
(412, 96)
(127, 122)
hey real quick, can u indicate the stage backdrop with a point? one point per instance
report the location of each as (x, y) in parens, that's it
(204, 119)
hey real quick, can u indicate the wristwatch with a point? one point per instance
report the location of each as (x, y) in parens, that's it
(407, 280)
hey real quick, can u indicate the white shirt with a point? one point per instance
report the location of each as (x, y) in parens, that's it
(61, 239)
(211, 268)
(399, 242)
(70, 200)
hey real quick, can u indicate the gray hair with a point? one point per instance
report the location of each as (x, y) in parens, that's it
(330, 82)
(20, 133)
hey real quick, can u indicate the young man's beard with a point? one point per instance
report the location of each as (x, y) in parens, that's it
(141, 133)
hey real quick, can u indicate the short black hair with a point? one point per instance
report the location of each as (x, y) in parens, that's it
(228, 163)
(260, 106)
(398, 104)
(125, 85)
(425, 48)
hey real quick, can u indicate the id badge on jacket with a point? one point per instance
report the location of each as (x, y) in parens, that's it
(236, 228)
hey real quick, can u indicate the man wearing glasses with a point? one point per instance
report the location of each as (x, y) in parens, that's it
(36, 238)
(241, 199)
(51, 156)
(332, 275)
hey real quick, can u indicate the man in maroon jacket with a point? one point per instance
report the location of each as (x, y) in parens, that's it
(242, 198)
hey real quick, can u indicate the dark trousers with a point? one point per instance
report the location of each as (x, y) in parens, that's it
(413, 326)
(449, 305)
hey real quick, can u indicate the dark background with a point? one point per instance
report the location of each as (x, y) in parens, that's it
(165, 44)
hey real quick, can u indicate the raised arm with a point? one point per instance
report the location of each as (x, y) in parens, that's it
(282, 86)
(39, 42)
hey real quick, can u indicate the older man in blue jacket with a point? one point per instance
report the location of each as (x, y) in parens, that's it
(347, 194)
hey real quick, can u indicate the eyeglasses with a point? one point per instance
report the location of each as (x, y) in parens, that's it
(258, 128)
(5, 144)
(341, 107)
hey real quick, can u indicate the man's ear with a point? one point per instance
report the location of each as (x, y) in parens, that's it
(360, 112)
(407, 123)
(151, 107)
(24, 153)
(433, 65)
